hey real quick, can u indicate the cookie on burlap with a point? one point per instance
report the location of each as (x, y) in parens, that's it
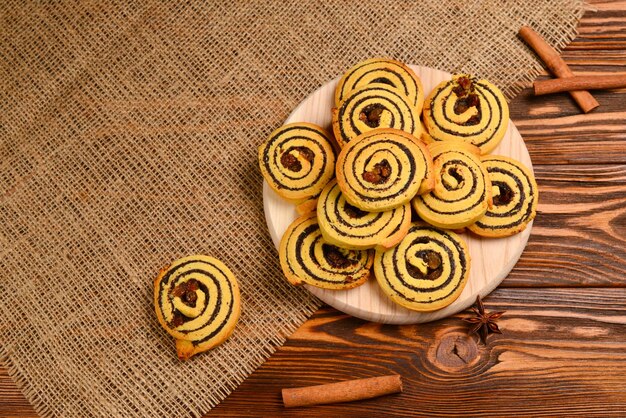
(196, 299)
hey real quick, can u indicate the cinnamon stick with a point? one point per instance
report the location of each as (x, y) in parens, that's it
(350, 390)
(591, 82)
(558, 67)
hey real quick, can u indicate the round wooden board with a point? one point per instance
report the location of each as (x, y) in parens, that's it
(491, 259)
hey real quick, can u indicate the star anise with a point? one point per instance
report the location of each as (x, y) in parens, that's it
(484, 322)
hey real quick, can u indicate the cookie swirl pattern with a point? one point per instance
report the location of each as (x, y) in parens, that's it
(515, 197)
(426, 271)
(347, 226)
(467, 109)
(384, 71)
(373, 106)
(462, 192)
(429, 179)
(381, 171)
(306, 258)
(197, 302)
(297, 160)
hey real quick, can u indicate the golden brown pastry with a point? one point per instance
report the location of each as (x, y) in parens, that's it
(371, 107)
(306, 258)
(462, 192)
(347, 226)
(381, 170)
(515, 197)
(426, 271)
(429, 179)
(196, 299)
(467, 109)
(385, 71)
(297, 160)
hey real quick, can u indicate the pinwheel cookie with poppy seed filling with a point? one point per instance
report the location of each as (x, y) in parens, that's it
(382, 70)
(426, 271)
(515, 198)
(347, 226)
(306, 258)
(381, 171)
(297, 160)
(429, 179)
(462, 192)
(374, 106)
(196, 299)
(466, 109)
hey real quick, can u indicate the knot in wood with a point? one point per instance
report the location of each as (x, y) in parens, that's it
(454, 351)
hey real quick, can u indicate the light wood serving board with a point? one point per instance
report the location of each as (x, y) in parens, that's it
(491, 259)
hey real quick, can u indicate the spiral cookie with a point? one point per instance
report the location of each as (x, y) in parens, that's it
(347, 226)
(467, 109)
(462, 190)
(375, 105)
(381, 171)
(385, 71)
(196, 299)
(426, 271)
(429, 179)
(306, 258)
(514, 198)
(297, 160)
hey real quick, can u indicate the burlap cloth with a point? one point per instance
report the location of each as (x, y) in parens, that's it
(128, 137)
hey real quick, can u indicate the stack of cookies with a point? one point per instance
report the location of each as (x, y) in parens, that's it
(392, 189)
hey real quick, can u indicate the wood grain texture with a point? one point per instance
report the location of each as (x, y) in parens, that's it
(555, 130)
(561, 352)
(579, 234)
(563, 349)
(12, 401)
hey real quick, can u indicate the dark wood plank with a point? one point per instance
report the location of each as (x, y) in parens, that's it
(579, 234)
(12, 401)
(603, 30)
(562, 351)
(579, 161)
(556, 132)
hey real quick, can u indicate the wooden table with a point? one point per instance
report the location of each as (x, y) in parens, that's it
(563, 350)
